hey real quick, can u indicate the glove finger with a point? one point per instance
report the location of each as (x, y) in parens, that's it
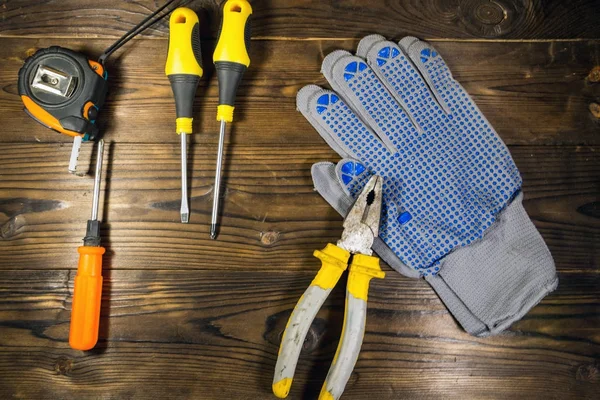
(303, 98)
(339, 125)
(353, 80)
(366, 43)
(403, 79)
(329, 186)
(466, 118)
(447, 91)
(352, 175)
(362, 50)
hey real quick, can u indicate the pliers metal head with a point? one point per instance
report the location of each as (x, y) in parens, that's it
(361, 225)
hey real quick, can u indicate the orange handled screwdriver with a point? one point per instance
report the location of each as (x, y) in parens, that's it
(85, 315)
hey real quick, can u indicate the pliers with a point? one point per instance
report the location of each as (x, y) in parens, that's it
(361, 227)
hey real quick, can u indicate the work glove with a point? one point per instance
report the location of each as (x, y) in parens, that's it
(452, 209)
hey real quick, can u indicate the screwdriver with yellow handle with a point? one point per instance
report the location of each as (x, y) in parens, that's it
(231, 61)
(87, 293)
(184, 70)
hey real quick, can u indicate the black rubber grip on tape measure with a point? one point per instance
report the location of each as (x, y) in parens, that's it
(229, 75)
(184, 90)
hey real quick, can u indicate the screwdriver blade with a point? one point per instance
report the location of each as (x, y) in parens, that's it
(185, 213)
(75, 154)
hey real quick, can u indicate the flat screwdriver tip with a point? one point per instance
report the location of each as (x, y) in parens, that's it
(213, 231)
(185, 218)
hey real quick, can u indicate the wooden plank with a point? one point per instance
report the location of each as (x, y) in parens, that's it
(204, 333)
(532, 93)
(439, 19)
(187, 317)
(270, 211)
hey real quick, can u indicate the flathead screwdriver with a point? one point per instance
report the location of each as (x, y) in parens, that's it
(231, 61)
(184, 70)
(87, 293)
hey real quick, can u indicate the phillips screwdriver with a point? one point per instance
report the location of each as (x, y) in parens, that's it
(87, 293)
(184, 70)
(231, 61)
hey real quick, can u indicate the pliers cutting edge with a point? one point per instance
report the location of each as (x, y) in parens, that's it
(361, 226)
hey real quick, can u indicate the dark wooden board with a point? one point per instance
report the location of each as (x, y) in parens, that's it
(187, 317)
(270, 211)
(209, 334)
(532, 93)
(438, 19)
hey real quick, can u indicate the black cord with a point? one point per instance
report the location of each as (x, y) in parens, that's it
(136, 30)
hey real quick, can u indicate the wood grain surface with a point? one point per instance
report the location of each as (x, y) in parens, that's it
(308, 19)
(532, 93)
(184, 317)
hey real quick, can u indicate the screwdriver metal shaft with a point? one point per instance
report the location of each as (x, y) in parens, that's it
(97, 179)
(215, 207)
(185, 210)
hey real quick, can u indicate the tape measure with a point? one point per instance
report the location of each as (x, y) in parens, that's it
(64, 90)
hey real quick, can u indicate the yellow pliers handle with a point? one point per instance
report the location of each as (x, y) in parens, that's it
(334, 262)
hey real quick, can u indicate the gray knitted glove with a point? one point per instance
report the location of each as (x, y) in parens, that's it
(453, 211)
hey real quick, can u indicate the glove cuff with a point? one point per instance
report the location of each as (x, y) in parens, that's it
(495, 281)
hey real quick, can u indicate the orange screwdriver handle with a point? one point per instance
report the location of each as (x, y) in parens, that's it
(87, 294)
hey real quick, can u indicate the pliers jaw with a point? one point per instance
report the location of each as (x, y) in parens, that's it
(361, 225)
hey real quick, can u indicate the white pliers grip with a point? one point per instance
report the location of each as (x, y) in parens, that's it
(362, 270)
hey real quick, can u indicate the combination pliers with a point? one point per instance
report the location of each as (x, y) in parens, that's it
(361, 227)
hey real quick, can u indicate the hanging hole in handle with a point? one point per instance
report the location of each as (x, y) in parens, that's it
(180, 19)
(235, 8)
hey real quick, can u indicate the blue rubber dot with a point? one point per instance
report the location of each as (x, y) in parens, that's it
(346, 179)
(351, 67)
(348, 167)
(359, 168)
(385, 52)
(404, 217)
(323, 99)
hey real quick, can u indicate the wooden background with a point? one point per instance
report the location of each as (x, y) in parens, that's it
(187, 317)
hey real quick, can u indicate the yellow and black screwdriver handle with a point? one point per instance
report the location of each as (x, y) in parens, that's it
(231, 54)
(184, 64)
